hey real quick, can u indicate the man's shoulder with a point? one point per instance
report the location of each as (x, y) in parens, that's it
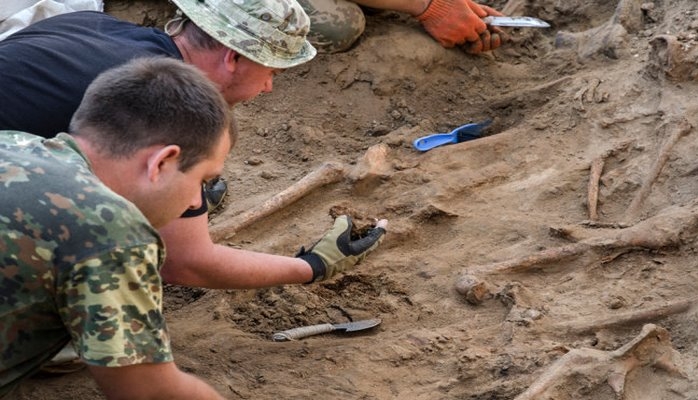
(40, 157)
(51, 183)
(86, 15)
(76, 23)
(13, 138)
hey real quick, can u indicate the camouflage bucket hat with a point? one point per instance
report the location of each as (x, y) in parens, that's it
(269, 32)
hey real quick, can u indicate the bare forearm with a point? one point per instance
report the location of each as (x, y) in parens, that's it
(412, 7)
(194, 260)
(188, 387)
(228, 268)
(164, 381)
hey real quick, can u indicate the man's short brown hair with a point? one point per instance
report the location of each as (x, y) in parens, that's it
(150, 101)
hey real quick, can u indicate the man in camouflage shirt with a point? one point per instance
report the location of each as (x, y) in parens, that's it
(79, 250)
(238, 45)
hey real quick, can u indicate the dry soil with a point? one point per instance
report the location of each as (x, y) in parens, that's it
(611, 81)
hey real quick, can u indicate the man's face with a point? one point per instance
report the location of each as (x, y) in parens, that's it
(182, 190)
(247, 81)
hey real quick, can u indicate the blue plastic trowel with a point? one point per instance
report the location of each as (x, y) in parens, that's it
(460, 134)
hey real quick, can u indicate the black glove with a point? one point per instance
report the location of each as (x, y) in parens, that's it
(336, 252)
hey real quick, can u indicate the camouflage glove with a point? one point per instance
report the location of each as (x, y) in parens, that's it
(336, 252)
(454, 22)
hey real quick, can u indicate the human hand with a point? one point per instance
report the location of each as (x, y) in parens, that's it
(336, 251)
(455, 22)
(492, 38)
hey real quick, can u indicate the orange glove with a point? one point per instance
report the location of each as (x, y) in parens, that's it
(454, 22)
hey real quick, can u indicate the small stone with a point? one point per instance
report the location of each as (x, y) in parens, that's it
(267, 175)
(254, 161)
(615, 302)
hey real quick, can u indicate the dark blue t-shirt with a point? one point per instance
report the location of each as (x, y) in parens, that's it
(46, 67)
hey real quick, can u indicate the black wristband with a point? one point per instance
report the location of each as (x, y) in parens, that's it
(316, 264)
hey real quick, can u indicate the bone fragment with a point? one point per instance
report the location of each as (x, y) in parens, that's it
(474, 290)
(512, 96)
(652, 347)
(327, 173)
(593, 187)
(595, 177)
(683, 127)
(609, 39)
(370, 165)
(670, 58)
(628, 318)
(660, 231)
(514, 7)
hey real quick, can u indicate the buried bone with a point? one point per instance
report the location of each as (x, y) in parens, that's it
(609, 39)
(474, 290)
(671, 59)
(372, 164)
(652, 347)
(659, 231)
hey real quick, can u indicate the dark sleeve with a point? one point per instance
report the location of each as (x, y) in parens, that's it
(199, 211)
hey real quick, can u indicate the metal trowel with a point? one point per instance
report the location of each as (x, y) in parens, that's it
(305, 331)
(517, 22)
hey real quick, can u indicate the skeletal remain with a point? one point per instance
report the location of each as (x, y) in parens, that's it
(523, 303)
(593, 188)
(516, 95)
(662, 230)
(372, 164)
(608, 39)
(652, 347)
(628, 318)
(590, 94)
(594, 178)
(672, 59)
(514, 7)
(473, 289)
(683, 127)
(654, 233)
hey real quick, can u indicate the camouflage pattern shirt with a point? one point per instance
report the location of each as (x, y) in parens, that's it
(79, 263)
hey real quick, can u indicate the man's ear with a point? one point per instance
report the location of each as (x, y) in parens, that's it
(231, 59)
(163, 160)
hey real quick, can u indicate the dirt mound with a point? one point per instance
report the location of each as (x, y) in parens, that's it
(592, 134)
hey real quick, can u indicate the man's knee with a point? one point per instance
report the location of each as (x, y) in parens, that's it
(334, 24)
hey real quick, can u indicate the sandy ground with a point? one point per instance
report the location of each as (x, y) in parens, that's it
(565, 274)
